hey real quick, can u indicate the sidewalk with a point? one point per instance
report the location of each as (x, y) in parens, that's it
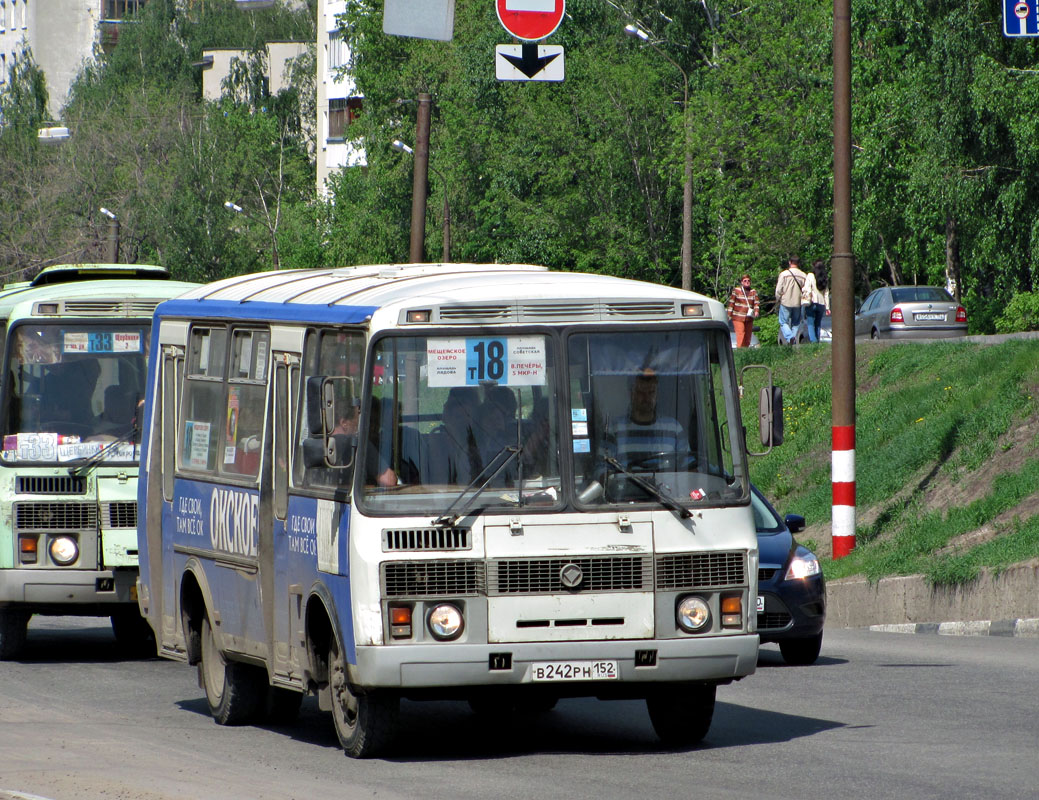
(1006, 604)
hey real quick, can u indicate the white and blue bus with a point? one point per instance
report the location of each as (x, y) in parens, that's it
(74, 342)
(491, 483)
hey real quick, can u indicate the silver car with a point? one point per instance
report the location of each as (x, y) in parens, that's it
(910, 312)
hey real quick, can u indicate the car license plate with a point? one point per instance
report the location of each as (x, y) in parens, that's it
(552, 671)
(761, 603)
(930, 317)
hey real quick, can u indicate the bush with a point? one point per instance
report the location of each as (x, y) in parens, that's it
(1021, 314)
(768, 329)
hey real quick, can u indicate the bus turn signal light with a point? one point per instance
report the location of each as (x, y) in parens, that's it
(400, 622)
(732, 612)
(27, 547)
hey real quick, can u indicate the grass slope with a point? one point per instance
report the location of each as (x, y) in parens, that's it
(947, 455)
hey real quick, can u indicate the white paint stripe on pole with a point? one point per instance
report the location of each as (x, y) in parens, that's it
(843, 466)
(843, 521)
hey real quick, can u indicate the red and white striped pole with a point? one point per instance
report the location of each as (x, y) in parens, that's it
(842, 292)
(843, 478)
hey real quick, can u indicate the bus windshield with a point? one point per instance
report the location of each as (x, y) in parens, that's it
(73, 390)
(647, 421)
(650, 418)
(452, 414)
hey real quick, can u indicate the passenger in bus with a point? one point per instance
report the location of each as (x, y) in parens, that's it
(378, 471)
(498, 427)
(646, 438)
(537, 436)
(454, 446)
(68, 398)
(119, 415)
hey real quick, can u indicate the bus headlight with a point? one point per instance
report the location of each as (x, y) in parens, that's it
(445, 622)
(64, 550)
(693, 614)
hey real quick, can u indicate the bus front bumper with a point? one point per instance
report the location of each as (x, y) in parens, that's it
(661, 661)
(67, 591)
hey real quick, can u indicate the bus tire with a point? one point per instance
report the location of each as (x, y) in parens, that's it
(234, 691)
(364, 723)
(13, 630)
(682, 721)
(133, 633)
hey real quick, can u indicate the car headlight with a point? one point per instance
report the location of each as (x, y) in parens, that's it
(804, 565)
(64, 550)
(445, 622)
(693, 614)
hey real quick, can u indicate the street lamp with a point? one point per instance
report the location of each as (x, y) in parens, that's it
(400, 147)
(112, 242)
(237, 209)
(687, 186)
(53, 135)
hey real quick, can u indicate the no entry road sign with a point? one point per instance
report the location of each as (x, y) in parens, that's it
(530, 20)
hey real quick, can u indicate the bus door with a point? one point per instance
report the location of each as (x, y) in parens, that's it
(312, 544)
(287, 590)
(163, 457)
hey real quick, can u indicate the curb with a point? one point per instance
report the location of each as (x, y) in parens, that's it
(1027, 628)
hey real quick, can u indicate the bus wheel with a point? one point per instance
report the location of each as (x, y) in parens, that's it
(234, 691)
(13, 628)
(365, 723)
(684, 720)
(133, 633)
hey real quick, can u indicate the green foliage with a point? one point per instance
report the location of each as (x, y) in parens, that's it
(1020, 314)
(582, 175)
(943, 413)
(145, 145)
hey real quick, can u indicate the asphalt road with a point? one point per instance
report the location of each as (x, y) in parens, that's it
(879, 716)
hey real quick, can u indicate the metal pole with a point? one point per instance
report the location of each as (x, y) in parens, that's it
(447, 228)
(418, 189)
(842, 292)
(112, 242)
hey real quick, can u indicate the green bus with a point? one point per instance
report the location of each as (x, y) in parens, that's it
(74, 342)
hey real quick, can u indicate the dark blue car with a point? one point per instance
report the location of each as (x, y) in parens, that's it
(791, 590)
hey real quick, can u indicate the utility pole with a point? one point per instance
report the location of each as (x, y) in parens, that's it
(112, 242)
(418, 190)
(842, 293)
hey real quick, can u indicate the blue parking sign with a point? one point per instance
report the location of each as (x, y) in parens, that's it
(1020, 18)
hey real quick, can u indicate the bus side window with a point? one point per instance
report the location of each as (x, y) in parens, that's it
(337, 355)
(202, 412)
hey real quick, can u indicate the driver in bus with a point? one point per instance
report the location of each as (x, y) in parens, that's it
(645, 435)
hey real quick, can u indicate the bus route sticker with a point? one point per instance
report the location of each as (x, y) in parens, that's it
(507, 361)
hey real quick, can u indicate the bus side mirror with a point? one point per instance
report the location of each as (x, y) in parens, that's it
(770, 410)
(321, 405)
(770, 416)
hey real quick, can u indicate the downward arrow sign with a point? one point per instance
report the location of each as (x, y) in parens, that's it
(529, 63)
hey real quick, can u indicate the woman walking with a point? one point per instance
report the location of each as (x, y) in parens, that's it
(743, 309)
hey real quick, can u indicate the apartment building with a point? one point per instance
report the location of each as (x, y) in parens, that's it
(338, 102)
(61, 35)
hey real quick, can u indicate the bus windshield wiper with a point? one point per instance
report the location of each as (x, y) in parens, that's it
(665, 499)
(90, 462)
(448, 518)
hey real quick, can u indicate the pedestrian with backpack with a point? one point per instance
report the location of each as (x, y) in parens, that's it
(789, 294)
